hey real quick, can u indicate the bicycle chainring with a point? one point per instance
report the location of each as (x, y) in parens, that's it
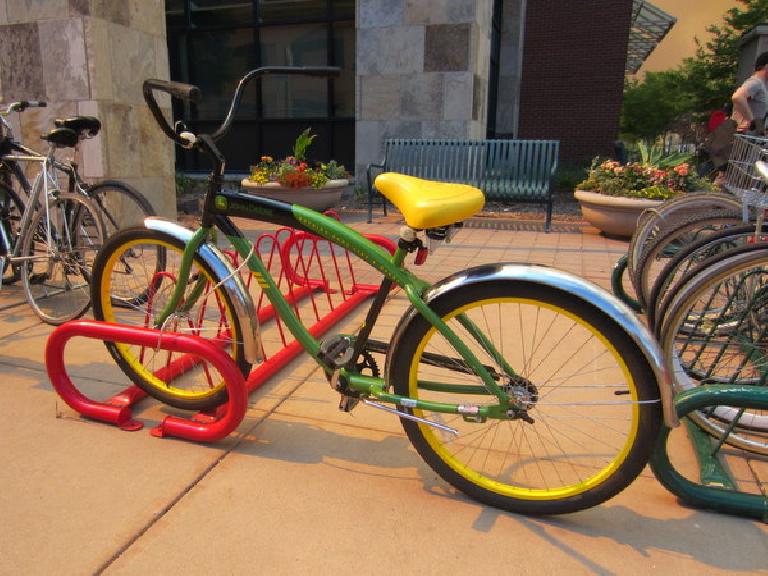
(367, 362)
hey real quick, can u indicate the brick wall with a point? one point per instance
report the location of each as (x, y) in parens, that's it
(573, 73)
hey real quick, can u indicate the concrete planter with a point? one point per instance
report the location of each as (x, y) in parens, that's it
(319, 199)
(613, 215)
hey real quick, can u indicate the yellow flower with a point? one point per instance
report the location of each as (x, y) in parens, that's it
(259, 177)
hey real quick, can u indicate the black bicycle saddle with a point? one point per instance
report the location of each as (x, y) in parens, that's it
(80, 124)
(61, 138)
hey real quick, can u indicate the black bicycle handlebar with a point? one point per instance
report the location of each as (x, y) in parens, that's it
(192, 94)
(177, 89)
(24, 104)
(319, 71)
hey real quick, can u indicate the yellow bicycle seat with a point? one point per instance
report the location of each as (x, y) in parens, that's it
(429, 204)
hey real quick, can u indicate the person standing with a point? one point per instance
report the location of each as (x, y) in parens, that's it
(750, 100)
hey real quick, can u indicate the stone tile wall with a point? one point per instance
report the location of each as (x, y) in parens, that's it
(90, 57)
(510, 68)
(422, 72)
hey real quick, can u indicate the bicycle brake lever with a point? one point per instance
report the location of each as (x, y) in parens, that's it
(189, 139)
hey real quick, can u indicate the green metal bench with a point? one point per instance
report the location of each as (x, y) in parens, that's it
(514, 170)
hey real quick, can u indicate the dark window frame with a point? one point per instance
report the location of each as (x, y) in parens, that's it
(339, 129)
(493, 81)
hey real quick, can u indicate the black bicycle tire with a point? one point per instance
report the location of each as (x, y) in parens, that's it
(653, 221)
(744, 257)
(673, 293)
(95, 192)
(19, 206)
(405, 348)
(115, 244)
(661, 241)
(668, 276)
(28, 237)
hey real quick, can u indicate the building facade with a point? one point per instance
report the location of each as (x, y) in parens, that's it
(410, 69)
(572, 74)
(89, 57)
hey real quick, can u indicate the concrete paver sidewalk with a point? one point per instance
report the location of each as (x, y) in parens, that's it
(302, 487)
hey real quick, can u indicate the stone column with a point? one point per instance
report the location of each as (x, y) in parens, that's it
(422, 72)
(90, 57)
(510, 68)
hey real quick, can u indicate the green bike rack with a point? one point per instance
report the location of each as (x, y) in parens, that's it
(723, 498)
(618, 286)
(712, 472)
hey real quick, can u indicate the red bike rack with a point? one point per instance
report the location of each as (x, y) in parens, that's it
(312, 271)
(117, 410)
(319, 280)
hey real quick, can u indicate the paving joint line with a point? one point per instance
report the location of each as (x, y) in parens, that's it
(44, 370)
(756, 476)
(175, 500)
(5, 307)
(19, 331)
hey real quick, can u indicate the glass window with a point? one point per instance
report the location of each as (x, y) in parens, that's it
(344, 55)
(213, 43)
(210, 13)
(286, 97)
(217, 61)
(271, 11)
(174, 13)
(344, 9)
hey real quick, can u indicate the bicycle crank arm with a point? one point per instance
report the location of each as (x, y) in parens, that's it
(411, 417)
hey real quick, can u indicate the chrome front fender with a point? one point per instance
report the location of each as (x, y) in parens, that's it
(233, 285)
(587, 291)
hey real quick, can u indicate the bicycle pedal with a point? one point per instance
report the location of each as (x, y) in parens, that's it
(336, 350)
(348, 403)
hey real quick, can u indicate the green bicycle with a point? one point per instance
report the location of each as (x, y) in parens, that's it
(526, 388)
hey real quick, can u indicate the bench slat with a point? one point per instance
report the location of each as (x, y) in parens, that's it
(519, 170)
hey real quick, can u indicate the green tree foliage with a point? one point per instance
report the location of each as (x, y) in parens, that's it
(711, 75)
(652, 105)
(699, 85)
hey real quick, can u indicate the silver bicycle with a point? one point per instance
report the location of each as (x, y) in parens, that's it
(51, 239)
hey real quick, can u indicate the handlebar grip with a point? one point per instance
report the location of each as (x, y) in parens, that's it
(24, 104)
(177, 89)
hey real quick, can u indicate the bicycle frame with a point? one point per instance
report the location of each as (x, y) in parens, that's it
(34, 192)
(221, 204)
(38, 191)
(229, 203)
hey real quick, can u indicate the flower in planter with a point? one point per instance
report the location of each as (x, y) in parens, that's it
(641, 179)
(294, 171)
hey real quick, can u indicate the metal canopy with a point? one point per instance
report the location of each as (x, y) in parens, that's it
(649, 25)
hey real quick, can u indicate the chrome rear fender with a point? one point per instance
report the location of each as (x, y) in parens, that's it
(590, 293)
(233, 284)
